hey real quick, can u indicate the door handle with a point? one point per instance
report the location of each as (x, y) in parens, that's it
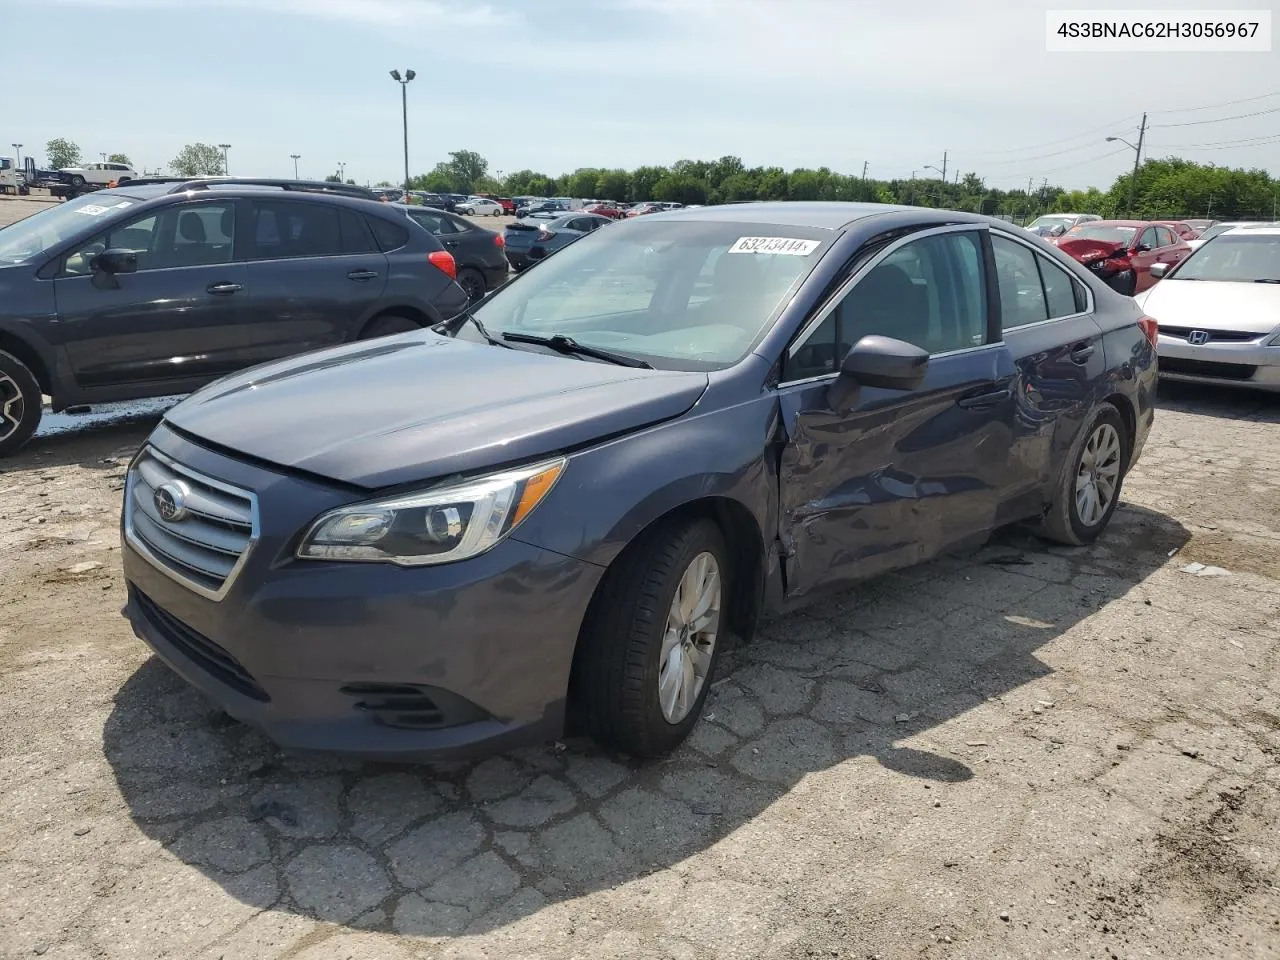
(223, 289)
(450, 243)
(1081, 352)
(362, 274)
(988, 399)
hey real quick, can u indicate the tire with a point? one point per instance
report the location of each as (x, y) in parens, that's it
(1064, 522)
(472, 283)
(1125, 282)
(388, 324)
(77, 181)
(21, 404)
(620, 658)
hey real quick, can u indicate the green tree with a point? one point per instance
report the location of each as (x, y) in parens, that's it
(680, 188)
(333, 178)
(62, 153)
(120, 158)
(197, 160)
(466, 169)
(643, 180)
(612, 185)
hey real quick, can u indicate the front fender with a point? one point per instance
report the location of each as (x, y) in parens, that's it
(612, 492)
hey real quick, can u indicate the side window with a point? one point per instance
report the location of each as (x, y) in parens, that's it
(204, 235)
(137, 235)
(1167, 237)
(355, 235)
(1149, 238)
(929, 292)
(285, 230)
(1059, 289)
(389, 236)
(434, 223)
(1022, 296)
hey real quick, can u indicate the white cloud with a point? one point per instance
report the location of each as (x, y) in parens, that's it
(414, 15)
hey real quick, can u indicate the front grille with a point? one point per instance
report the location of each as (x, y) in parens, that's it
(1215, 336)
(199, 649)
(208, 539)
(1208, 368)
(408, 706)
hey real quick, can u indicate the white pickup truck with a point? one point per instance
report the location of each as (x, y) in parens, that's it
(98, 174)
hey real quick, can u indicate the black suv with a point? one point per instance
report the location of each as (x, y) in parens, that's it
(162, 285)
(480, 254)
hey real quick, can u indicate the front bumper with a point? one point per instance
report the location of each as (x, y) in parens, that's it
(1246, 364)
(368, 659)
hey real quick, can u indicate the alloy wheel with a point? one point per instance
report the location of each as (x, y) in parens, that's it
(689, 640)
(1099, 474)
(12, 406)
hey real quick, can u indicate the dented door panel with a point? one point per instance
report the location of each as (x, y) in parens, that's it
(899, 477)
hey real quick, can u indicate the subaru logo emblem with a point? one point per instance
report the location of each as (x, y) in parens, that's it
(171, 501)
(1198, 337)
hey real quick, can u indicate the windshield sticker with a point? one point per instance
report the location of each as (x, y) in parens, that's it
(788, 246)
(93, 210)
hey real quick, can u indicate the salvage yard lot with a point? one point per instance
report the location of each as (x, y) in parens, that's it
(1028, 751)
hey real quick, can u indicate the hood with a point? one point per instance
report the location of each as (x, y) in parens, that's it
(1086, 250)
(1214, 305)
(419, 406)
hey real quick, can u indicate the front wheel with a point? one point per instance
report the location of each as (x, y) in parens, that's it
(387, 325)
(21, 404)
(652, 638)
(77, 181)
(1089, 490)
(1125, 282)
(472, 284)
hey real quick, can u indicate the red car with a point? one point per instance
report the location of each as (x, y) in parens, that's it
(508, 205)
(640, 209)
(1185, 230)
(1121, 252)
(604, 210)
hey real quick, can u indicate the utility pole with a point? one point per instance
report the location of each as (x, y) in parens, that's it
(1209, 213)
(1137, 160)
(944, 166)
(404, 108)
(864, 171)
(226, 168)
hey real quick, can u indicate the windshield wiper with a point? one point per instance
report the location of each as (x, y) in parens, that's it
(448, 327)
(565, 344)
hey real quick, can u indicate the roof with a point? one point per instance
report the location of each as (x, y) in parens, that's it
(1254, 229)
(824, 214)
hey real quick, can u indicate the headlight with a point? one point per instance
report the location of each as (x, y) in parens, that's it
(436, 526)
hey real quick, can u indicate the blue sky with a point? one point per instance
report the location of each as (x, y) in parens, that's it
(557, 84)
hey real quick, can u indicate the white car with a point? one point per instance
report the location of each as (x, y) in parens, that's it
(480, 207)
(1211, 231)
(1218, 311)
(99, 174)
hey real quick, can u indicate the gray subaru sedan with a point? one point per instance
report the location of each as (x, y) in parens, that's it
(552, 513)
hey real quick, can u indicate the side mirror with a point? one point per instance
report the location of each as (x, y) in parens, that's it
(115, 260)
(1158, 270)
(1144, 247)
(876, 361)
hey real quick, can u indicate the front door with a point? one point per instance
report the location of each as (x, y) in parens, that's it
(1145, 252)
(178, 318)
(900, 475)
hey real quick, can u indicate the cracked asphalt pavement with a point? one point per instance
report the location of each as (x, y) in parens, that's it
(1027, 751)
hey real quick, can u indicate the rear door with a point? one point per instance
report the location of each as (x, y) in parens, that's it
(1056, 348)
(902, 474)
(182, 315)
(315, 271)
(1142, 259)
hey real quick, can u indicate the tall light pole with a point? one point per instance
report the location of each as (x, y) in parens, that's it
(226, 167)
(17, 149)
(1137, 159)
(296, 157)
(342, 170)
(404, 106)
(103, 156)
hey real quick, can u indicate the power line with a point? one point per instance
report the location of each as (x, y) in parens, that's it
(1051, 143)
(1215, 106)
(1239, 116)
(1255, 142)
(1043, 156)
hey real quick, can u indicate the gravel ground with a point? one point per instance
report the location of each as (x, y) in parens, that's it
(1028, 751)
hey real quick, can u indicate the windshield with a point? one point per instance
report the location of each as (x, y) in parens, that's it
(688, 295)
(42, 231)
(1217, 228)
(1095, 231)
(1243, 258)
(1049, 221)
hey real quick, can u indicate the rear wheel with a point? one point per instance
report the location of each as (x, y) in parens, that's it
(21, 404)
(652, 638)
(77, 181)
(388, 324)
(471, 282)
(1089, 490)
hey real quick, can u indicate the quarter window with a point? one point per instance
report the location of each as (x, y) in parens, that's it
(1166, 236)
(389, 236)
(929, 292)
(434, 222)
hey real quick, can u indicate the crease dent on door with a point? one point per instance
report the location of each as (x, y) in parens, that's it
(894, 462)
